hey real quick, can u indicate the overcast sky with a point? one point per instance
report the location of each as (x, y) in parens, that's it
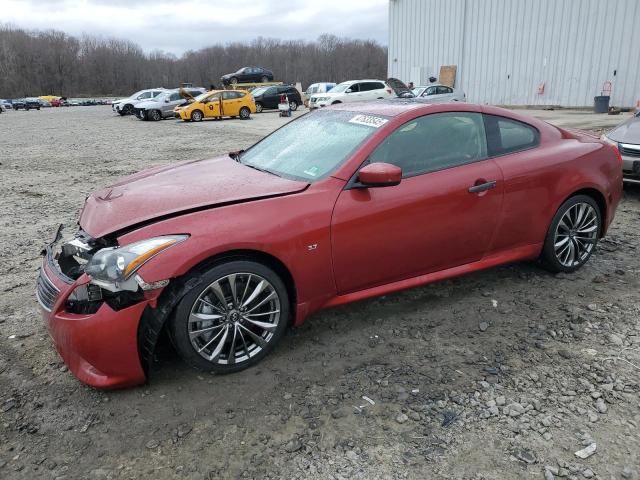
(177, 26)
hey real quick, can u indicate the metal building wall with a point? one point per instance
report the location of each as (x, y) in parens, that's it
(505, 49)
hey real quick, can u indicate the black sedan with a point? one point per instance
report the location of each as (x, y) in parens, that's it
(248, 75)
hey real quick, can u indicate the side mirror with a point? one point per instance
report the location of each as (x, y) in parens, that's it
(380, 175)
(166, 100)
(348, 90)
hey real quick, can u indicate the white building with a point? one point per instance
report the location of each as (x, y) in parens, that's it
(521, 52)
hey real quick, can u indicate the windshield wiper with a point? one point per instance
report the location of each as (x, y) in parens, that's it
(236, 155)
(260, 169)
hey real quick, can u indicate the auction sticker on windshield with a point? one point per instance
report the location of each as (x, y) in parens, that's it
(369, 120)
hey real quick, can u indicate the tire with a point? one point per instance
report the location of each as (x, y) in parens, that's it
(127, 109)
(196, 116)
(245, 113)
(573, 235)
(336, 102)
(259, 107)
(121, 112)
(293, 105)
(264, 79)
(154, 115)
(201, 310)
(233, 80)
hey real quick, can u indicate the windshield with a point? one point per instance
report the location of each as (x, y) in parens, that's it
(258, 91)
(241, 70)
(341, 87)
(314, 145)
(205, 95)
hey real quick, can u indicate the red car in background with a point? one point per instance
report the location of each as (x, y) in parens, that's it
(339, 205)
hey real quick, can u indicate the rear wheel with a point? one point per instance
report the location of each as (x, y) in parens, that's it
(232, 318)
(293, 105)
(245, 113)
(258, 107)
(573, 234)
(196, 116)
(154, 115)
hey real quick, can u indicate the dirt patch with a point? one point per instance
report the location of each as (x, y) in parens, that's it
(497, 375)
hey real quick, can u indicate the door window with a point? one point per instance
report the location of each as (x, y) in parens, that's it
(354, 88)
(145, 95)
(505, 135)
(434, 142)
(443, 90)
(231, 95)
(429, 91)
(368, 86)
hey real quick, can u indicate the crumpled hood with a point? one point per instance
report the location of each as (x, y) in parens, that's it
(168, 190)
(628, 132)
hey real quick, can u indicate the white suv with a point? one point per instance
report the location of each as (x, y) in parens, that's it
(352, 91)
(125, 106)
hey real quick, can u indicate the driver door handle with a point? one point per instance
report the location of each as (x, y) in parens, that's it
(481, 187)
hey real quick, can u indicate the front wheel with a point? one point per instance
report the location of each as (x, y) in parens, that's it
(573, 235)
(232, 318)
(245, 113)
(196, 116)
(264, 79)
(233, 81)
(155, 115)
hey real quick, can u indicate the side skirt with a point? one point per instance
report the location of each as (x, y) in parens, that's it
(520, 253)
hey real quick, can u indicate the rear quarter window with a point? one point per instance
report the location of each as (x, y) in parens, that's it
(505, 135)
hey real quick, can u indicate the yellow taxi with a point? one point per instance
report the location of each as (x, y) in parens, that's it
(218, 104)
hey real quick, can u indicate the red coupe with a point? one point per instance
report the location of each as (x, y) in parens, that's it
(339, 205)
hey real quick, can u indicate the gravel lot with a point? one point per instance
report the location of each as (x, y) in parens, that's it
(501, 374)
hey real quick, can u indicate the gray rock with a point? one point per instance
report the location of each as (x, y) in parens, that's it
(586, 452)
(483, 326)
(548, 475)
(615, 339)
(526, 456)
(627, 473)
(151, 444)
(588, 473)
(601, 406)
(514, 409)
(402, 418)
(293, 445)
(501, 401)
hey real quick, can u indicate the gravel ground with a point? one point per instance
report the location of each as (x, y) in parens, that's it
(501, 374)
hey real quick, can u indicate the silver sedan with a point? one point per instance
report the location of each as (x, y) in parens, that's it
(626, 137)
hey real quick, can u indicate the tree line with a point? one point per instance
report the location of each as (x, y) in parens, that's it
(34, 63)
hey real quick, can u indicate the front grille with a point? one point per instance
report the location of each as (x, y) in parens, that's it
(630, 152)
(46, 292)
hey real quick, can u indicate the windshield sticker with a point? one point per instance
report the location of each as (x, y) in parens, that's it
(312, 172)
(369, 120)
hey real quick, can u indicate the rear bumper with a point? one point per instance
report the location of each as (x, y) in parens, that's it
(100, 349)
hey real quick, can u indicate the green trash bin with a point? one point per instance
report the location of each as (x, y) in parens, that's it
(601, 104)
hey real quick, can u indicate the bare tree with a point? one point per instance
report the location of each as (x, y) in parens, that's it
(52, 62)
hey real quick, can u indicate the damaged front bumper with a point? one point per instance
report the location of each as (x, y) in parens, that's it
(95, 331)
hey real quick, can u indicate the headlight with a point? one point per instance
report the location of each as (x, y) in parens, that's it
(112, 268)
(606, 139)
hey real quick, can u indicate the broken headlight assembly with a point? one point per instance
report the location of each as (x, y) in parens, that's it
(113, 268)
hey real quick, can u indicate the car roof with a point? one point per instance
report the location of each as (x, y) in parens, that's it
(432, 85)
(379, 107)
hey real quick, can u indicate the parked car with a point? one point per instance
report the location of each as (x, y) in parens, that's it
(248, 75)
(5, 105)
(348, 203)
(626, 137)
(218, 104)
(44, 103)
(352, 91)
(18, 103)
(434, 93)
(269, 97)
(125, 106)
(162, 106)
(321, 87)
(55, 102)
(32, 103)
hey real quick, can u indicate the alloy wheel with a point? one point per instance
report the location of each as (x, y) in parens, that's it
(576, 234)
(155, 115)
(234, 318)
